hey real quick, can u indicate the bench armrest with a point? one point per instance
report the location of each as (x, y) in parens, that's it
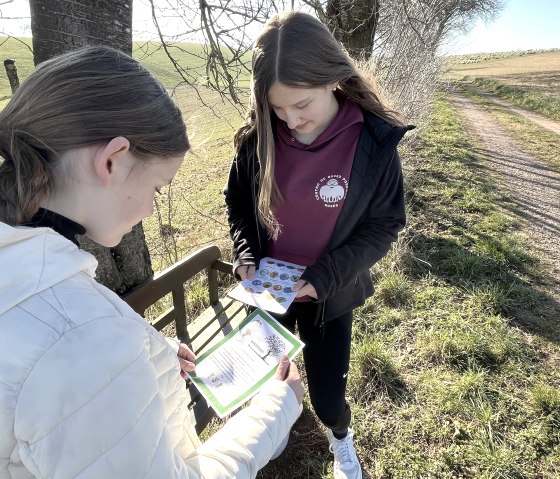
(172, 280)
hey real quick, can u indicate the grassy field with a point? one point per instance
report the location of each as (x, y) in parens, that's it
(151, 54)
(189, 56)
(20, 51)
(539, 72)
(455, 369)
(193, 208)
(531, 81)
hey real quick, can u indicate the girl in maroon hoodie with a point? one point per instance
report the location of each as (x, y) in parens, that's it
(317, 181)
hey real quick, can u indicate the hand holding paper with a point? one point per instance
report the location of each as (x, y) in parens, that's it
(270, 286)
(186, 360)
(234, 369)
(245, 272)
(288, 371)
(303, 288)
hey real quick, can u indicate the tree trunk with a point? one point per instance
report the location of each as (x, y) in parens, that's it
(11, 71)
(62, 25)
(353, 23)
(124, 266)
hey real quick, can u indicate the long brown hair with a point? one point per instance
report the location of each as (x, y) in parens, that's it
(297, 50)
(81, 98)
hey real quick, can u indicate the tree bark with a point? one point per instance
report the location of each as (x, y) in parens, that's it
(353, 23)
(11, 72)
(124, 266)
(63, 25)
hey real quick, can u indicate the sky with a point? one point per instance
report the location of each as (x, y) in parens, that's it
(522, 25)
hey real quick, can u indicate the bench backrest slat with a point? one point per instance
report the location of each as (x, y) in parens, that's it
(164, 282)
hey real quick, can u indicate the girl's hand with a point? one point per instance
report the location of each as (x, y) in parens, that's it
(186, 360)
(303, 288)
(288, 372)
(245, 272)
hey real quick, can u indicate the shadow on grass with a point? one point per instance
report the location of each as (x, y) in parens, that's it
(306, 455)
(516, 297)
(374, 375)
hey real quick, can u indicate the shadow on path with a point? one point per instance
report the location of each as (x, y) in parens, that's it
(532, 186)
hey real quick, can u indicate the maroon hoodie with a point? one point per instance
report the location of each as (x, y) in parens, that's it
(313, 180)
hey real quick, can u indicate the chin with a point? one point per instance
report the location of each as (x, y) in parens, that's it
(106, 242)
(112, 244)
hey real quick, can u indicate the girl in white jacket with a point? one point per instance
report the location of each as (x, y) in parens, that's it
(87, 388)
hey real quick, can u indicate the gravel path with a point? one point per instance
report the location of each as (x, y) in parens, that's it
(534, 186)
(540, 120)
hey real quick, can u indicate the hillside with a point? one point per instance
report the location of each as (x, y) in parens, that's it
(538, 72)
(189, 56)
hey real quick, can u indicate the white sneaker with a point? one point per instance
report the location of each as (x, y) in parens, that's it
(281, 447)
(346, 464)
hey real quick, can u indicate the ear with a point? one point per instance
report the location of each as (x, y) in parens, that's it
(332, 86)
(105, 158)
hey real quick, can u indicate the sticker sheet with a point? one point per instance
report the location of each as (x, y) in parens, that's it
(271, 287)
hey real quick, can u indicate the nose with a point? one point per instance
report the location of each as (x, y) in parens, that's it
(292, 119)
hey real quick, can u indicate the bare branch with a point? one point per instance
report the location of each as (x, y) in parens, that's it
(8, 37)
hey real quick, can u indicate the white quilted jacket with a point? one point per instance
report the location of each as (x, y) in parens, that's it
(89, 390)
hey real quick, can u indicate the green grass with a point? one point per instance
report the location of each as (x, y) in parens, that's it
(538, 141)
(376, 374)
(189, 56)
(193, 207)
(20, 51)
(530, 100)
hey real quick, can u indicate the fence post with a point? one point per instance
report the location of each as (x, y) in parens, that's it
(11, 71)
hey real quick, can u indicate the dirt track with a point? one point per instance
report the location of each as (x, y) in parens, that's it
(533, 186)
(540, 120)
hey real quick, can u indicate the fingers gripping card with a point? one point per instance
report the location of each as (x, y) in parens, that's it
(271, 287)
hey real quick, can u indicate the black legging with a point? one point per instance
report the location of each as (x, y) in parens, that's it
(327, 358)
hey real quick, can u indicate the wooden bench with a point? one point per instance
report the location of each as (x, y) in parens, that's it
(200, 332)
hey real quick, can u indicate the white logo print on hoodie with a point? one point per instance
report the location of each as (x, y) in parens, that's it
(331, 189)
